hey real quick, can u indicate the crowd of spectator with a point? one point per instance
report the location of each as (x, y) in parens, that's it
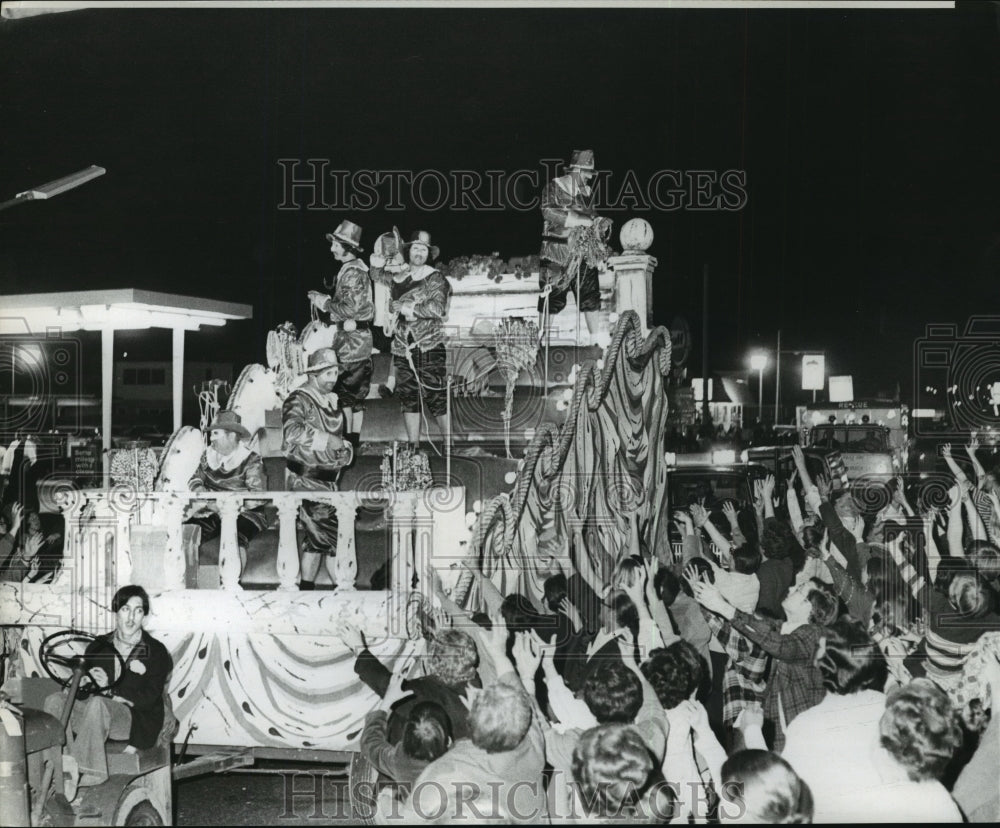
(801, 658)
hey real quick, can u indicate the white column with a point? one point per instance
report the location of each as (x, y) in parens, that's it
(178, 376)
(107, 377)
(174, 562)
(347, 556)
(402, 513)
(288, 545)
(634, 285)
(229, 545)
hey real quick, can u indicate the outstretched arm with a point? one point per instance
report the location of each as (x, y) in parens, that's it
(977, 467)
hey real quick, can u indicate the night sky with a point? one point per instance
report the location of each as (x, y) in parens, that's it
(869, 140)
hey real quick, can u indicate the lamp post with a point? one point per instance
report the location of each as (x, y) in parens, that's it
(758, 362)
(54, 188)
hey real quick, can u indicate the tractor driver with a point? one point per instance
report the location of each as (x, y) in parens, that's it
(135, 709)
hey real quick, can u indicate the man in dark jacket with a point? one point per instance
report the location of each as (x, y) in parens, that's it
(133, 709)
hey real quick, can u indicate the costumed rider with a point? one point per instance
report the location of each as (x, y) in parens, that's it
(386, 262)
(567, 204)
(420, 297)
(315, 453)
(228, 465)
(352, 309)
(135, 710)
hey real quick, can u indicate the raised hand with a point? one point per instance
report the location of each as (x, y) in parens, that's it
(973, 445)
(31, 546)
(751, 717)
(395, 692)
(353, 638)
(823, 485)
(946, 450)
(471, 694)
(706, 594)
(572, 613)
(699, 514)
(729, 510)
(527, 655)
(16, 515)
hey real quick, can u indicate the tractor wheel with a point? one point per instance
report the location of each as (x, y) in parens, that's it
(143, 814)
(362, 784)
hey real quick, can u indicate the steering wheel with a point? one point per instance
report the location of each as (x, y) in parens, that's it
(49, 655)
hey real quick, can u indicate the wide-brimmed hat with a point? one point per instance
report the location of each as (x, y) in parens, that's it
(424, 238)
(581, 160)
(389, 245)
(230, 421)
(348, 233)
(321, 359)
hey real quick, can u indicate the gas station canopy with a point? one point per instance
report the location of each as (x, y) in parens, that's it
(107, 311)
(125, 309)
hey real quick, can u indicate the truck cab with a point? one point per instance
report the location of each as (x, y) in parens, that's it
(865, 448)
(872, 437)
(710, 478)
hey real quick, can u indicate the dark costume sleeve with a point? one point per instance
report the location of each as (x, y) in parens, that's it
(352, 298)
(198, 483)
(301, 424)
(372, 672)
(432, 301)
(256, 479)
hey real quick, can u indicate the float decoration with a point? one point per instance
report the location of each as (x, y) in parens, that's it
(517, 348)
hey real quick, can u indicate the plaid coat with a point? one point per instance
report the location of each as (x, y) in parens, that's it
(743, 683)
(796, 684)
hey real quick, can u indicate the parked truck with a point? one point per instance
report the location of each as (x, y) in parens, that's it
(871, 437)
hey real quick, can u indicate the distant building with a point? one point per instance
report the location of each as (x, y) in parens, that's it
(142, 395)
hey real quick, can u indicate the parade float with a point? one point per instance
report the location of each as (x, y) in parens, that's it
(261, 666)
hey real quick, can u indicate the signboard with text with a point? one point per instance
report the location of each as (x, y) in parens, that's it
(813, 372)
(841, 389)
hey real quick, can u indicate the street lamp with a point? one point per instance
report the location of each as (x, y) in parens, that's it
(758, 362)
(54, 188)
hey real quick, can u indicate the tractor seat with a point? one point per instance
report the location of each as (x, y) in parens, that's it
(134, 764)
(41, 730)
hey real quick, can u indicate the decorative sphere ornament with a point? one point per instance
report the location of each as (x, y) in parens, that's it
(509, 478)
(636, 236)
